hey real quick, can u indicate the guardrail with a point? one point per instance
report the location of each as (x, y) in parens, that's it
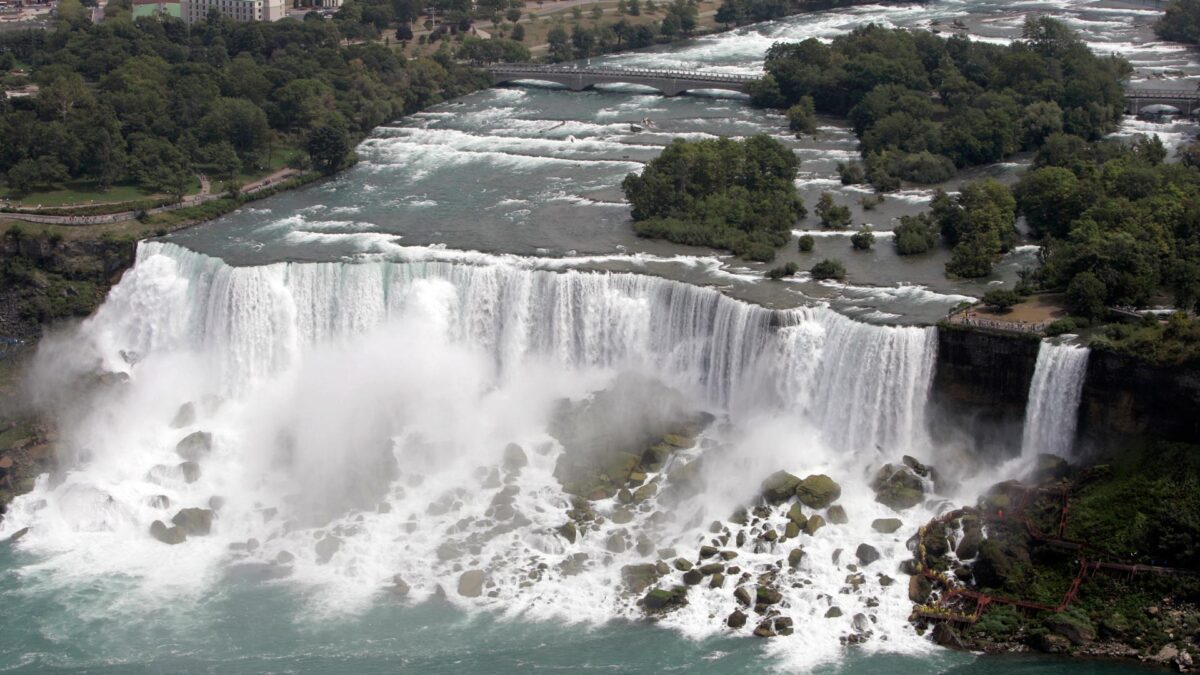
(618, 72)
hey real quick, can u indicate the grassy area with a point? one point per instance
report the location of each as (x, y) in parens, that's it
(86, 193)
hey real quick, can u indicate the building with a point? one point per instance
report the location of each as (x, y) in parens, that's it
(195, 11)
(157, 8)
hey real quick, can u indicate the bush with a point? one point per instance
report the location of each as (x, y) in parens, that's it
(862, 240)
(829, 269)
(806, 243)
(914, 234)
(801, 118)
(1087, 295)
(869, 202)
(832, 215)
(782, 271)
(1061, 327)
(1001, 299)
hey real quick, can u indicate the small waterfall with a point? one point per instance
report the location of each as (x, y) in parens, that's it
(1052, 410)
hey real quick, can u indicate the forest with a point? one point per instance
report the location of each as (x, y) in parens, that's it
(153, 102)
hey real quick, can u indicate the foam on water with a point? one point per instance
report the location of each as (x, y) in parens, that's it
(346, 398)
(1052, 411)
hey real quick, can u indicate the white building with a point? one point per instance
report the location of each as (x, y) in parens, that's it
(195, 11)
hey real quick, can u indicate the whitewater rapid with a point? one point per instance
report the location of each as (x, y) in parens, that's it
(370, 402)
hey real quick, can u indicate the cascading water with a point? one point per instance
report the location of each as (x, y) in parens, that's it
(358, 414)
(1052, 410)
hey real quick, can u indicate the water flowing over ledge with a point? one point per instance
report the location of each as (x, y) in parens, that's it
(1052, 411)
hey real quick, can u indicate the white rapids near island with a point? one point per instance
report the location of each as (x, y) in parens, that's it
(352, 406)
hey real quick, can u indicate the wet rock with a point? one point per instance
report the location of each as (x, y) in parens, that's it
(728, 555)
(779, 487)
(645, 545)
(662, 567)
(622, 516)
(707, 552)
(898, 487)
(796, 514)
(814, 523)
(718, 580)
(568, 531)
(818, 491)
(616, 543)
(663, 599)
(1051, 643)
(742, 595)
(769, 535)
(740, 517)
(692, 577)
(1050, 468)
(915, 465)
(683, 564)
(945, 635)
(16, 536)
(791, 531)
(327, 547)
(866, 554)
(765, 595)
(783, 625)
(624, 496)
(284, 558)
(639, 577)
(919, 589)
(837, 515)
(766, 629)
(185, 416)
(448, 551)
(886, 525)
(737, 619)
(195, 446)
(833, 612)
(645, 492)
(160, 502)
(194, 522)
(574, 564)
(968, 547)
(515, 458)
(795, 556)
(167, 535)
(190, 471)
(711, 568)
(216, 502)
(885, 580)
(860, 623)
(399, 588)
(470, 583)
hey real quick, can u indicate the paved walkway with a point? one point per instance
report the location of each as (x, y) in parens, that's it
(205, 195)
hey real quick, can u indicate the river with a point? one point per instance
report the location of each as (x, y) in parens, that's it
(362, 350)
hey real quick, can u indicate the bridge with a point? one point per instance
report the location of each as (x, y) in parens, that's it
(669, 82)
(1187, 102)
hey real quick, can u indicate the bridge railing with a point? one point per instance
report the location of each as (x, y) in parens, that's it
(1172, 94)
(521, 69)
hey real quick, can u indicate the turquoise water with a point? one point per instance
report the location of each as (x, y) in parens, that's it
(251, 627)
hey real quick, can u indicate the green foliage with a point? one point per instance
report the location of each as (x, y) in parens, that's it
(1181, 22)
(863, 240)
(978, 223)
(1001, 299)
(154, 102)
(836, 216)
(805, 243)
(494, 50)
(915, 234)
(735, 195)
(852, 173)
(922, 104)
(829, 269)
(1175, 342)
(327, 146)
(1062, 327)
(1086, 296)
(801, 118)
(782, 271)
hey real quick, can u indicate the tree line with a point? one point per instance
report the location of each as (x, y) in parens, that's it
(154, 101)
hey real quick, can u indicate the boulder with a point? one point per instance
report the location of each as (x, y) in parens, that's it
(515, 458)
(194, 522)
(833, 612)
(791, 531)
(638, 578)
(795, 556)
(718, 580)
(622, 516)
(886, 525)
(645, 492)
(616, 543)
(194, 446)
(663, 599)
(568, 531)
(765, 595)
(190, 471)
(737, 619)
(968, 546)
(779, 487)
(167, 535)
(326, 547)
(918, 589)
(765, 629)
(711, 568)
(837, 515)
(1050, 468)
(399, 588)
(692, 577)
(1078, 630)
(683, 564)
(1051, 643)
(945, 636)
(185, 416)
(866, 554)
(742, 595)
(916, 466)
(470, 583)
(796, 515)
(898, 487)
(818, 491)
(814, 523)
(160, 502)
(783, 625)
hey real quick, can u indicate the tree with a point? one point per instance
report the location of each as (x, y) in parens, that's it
(1001, 299)
(1087, 296)
(634, 7)
(1050, 199)
(518, 32)
(829, 269)
(915, 234)
(806, 243)
(801, 118)
(862, 240)
(328, 145)
(832, 215)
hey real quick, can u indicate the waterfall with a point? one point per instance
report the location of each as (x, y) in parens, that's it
(1052, 410)
(362, 404)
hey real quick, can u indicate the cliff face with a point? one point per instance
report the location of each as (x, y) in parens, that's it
(1124, 397)
(983, 378)
(981, 386)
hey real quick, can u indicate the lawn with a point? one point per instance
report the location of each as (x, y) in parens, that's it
(86, 193)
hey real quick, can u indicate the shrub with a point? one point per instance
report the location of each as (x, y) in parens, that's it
(806, 243)
(852, 173)
(829, 269)
(914, 234)
(1061, 327)
(863, 239)
(782, 271)
(832, 215)
(1001, 299)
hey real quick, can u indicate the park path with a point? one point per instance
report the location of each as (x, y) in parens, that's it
(205, 195)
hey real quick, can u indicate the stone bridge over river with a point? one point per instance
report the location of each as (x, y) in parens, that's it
(675, 82)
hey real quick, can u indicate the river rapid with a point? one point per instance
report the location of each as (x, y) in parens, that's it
(360, 352)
